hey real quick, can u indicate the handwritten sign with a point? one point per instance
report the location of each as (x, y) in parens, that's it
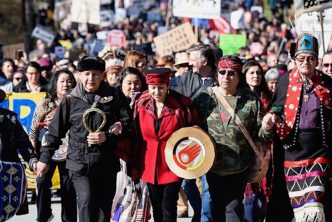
(175, 40)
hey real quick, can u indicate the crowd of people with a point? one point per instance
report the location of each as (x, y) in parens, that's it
(125, 104)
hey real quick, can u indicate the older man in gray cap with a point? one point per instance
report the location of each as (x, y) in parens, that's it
(91, 159)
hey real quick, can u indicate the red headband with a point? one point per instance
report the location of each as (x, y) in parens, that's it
(230, 64)
(156, 78)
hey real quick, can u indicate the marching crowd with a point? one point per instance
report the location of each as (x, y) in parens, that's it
(127, 104)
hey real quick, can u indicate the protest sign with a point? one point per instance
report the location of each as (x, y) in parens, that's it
(59, 51)
(314, 17)
(24, 105)
(116, 38)
(208, 9)
(85, 11)
(44, 34)
(230, 43)
(306, 6)
(175, 40)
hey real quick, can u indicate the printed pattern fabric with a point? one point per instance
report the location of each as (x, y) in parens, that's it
(306, 180)
(12, 188)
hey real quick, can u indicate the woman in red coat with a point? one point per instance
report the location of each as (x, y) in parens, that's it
(159, 112)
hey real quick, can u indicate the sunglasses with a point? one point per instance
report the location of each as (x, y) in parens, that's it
(326, 65)
(18, 78)
(229, 72)
(310, 59)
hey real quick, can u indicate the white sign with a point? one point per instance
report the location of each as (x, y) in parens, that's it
(305, 6)
(86, 11)
(309, 23)
(106, 18)
(209, 9)
(44, 34)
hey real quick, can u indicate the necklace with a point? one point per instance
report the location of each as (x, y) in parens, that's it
(307, 87)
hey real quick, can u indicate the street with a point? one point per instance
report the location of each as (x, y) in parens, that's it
(56, 208)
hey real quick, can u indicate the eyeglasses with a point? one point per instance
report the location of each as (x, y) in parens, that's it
(18, 78)
(229, 72)
(326, 65)
(310, 59)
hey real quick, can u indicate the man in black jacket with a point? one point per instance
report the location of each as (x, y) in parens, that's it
(91, 159)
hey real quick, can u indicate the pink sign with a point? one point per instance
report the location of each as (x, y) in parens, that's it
(116, 38)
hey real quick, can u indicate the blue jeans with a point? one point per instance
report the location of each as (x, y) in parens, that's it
(206, 202)
(201, 206)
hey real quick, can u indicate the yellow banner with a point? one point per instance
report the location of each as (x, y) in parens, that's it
(24, 104)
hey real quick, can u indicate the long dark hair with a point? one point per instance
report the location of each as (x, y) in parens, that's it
(133, 71)
(262, 87)
(51, 87)
(262, 90)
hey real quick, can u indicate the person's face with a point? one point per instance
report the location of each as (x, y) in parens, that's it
(130, 84)
(272, 85)
(17, 78)
(33, 75)
(63, 85)
(8, 69)
(327, 65)
(306, 63)
(91, 80)
(180, 69)
(112, 77)
(228, 79)
(158, 92)
(41, 45)
(142, 65)
(273, 61)
(196, 61)
(254, 77)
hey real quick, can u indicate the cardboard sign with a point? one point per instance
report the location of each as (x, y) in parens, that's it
(116, 38)
(44, 34)
(208, 9)
(175, 40)
(230, 43)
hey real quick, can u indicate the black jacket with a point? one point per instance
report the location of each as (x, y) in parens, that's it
(13, 139)
(80, 157)
(22, 87)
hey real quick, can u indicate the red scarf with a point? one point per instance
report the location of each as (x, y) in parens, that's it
(293, 100)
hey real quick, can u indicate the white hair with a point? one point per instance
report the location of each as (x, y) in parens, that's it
(272, 74)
